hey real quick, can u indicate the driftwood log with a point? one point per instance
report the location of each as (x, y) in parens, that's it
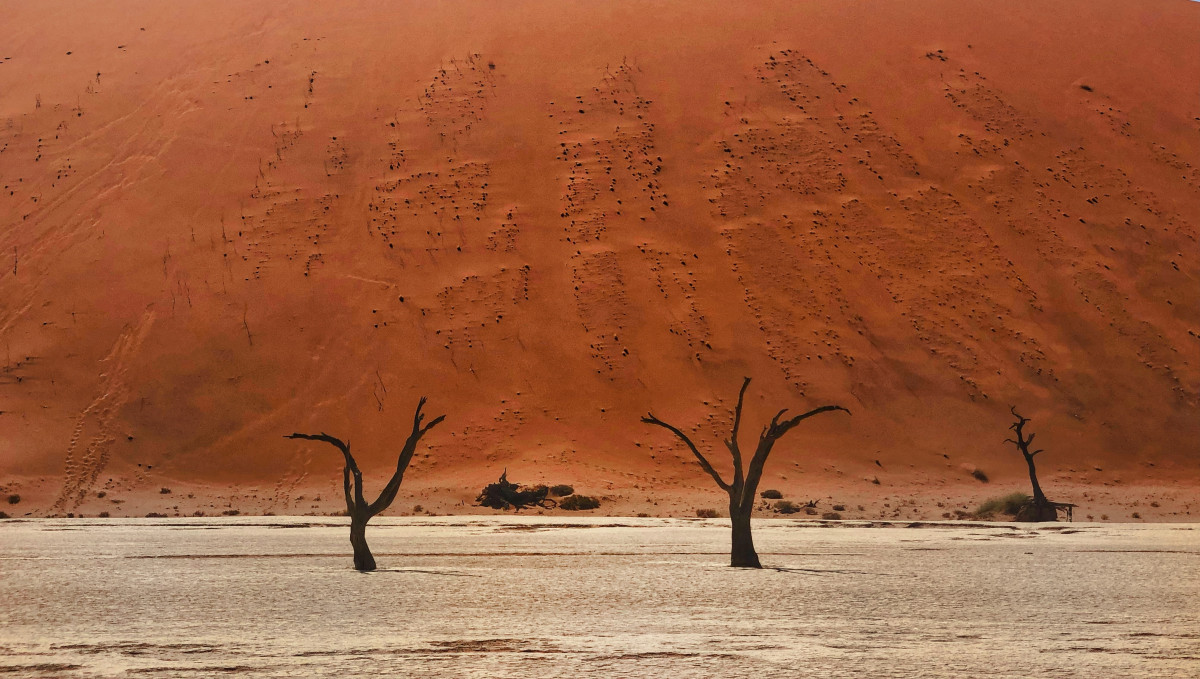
(503, 494)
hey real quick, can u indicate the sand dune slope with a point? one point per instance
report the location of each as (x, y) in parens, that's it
(221, 223)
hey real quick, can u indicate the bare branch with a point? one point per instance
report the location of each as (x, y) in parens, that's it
(731, 443)
(783, 427)
(772, 433)
(388, 494)
(351, 467)
(651, 419)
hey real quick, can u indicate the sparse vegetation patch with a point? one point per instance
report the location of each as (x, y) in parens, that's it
(1009, 504)
(579, 502)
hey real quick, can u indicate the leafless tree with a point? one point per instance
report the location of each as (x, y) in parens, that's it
(1042, 509)
(359, 510)
(744, 486)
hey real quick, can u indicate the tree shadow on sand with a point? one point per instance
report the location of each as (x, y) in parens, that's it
(422, 571)
(820, 571)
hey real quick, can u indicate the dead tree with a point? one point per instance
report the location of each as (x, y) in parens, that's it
(744, 486)
(1040, 509)
(357, 508)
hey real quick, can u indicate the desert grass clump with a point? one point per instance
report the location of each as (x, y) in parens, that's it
(831, 516)
(4, 515)
(577, 503)
(561, 490)
(980, 476)
(771, 494)
(708, 514)
(786, 507)
(103, 515)
(1009, 504)
(14, 499)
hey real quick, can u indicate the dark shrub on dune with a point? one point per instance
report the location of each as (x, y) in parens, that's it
(579, 502)
(708, 514)
(561, 490)
(771, 494)
(786, 507)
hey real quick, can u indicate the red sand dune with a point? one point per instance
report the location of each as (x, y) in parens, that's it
(222, 222)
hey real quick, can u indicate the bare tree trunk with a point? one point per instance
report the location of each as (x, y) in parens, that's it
(363, 559)
(741, 553)
(1039, 498)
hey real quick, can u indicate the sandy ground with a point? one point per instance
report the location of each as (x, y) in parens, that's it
(575, 598)
(222, 223)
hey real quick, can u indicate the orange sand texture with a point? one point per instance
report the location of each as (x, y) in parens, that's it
(222, 222)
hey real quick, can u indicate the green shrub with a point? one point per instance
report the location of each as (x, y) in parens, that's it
(786, 507)
(708, 514)
(576, 503)
(561, 490)
(771, 494)
(1009, 504)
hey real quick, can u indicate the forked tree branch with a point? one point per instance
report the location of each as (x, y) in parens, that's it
(388, 494)
(731, 443)
(766, 441)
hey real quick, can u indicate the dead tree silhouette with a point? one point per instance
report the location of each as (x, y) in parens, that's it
(744, 486)
(1039, 509)
(357, 508)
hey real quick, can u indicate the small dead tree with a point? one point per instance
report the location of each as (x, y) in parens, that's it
(1040, 509)
(743, 488)
(359, 510)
